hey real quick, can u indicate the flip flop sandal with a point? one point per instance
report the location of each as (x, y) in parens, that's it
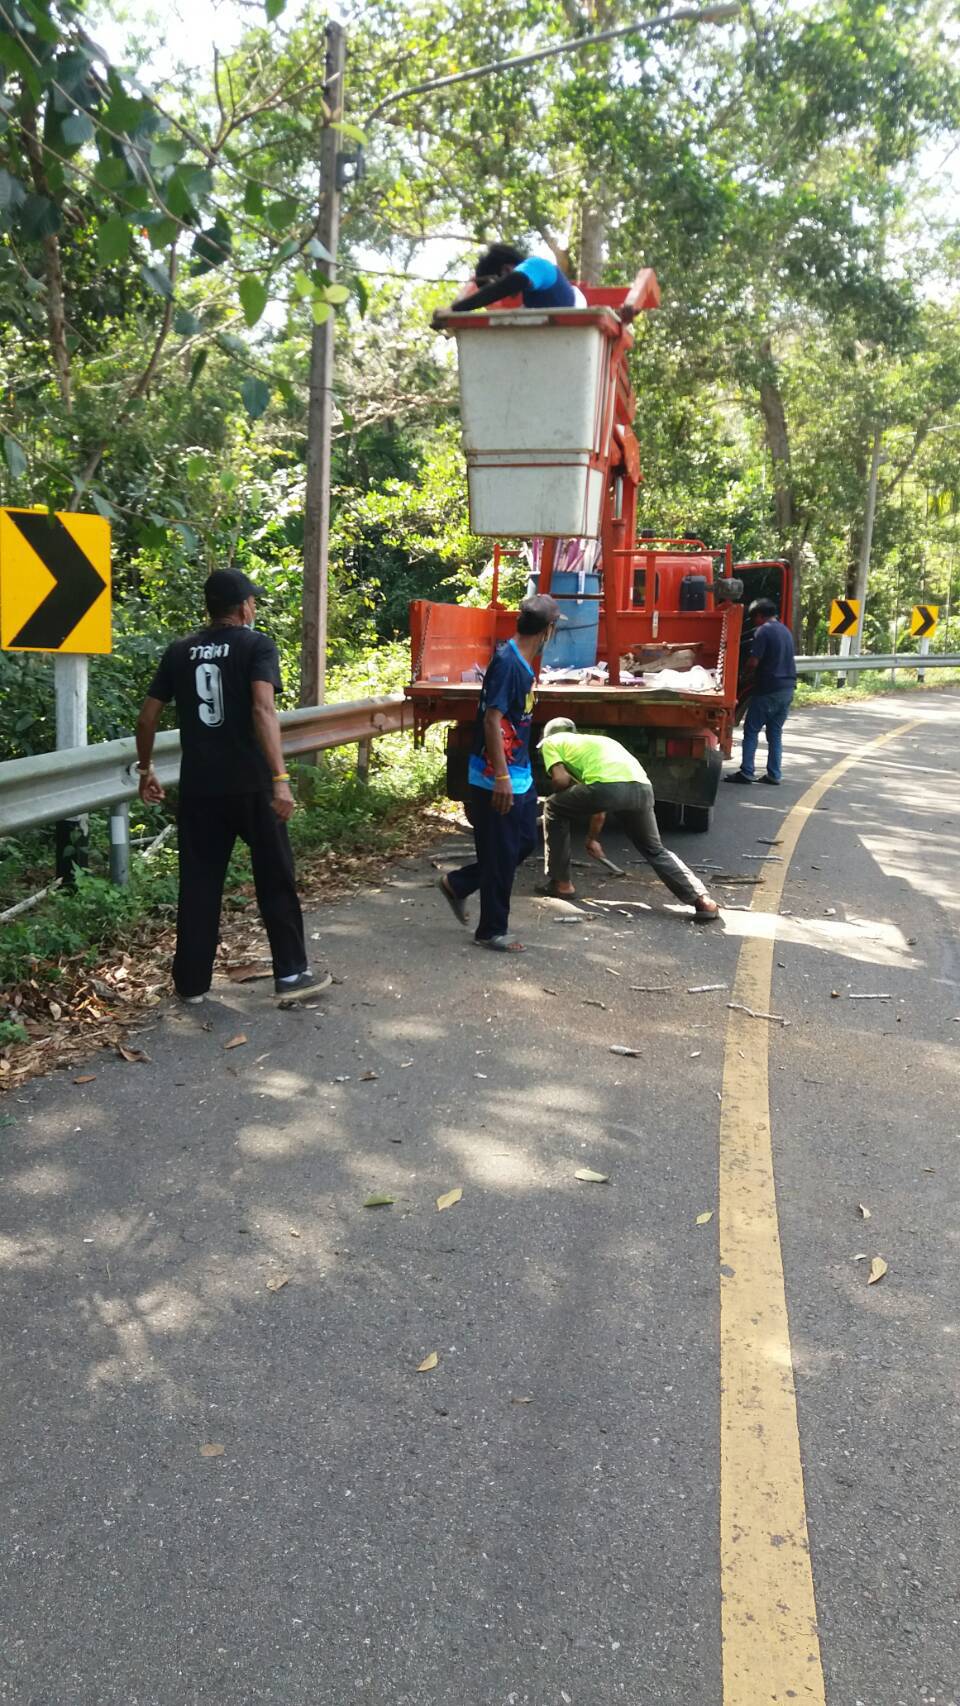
(703, 917)
(453, 901)
(501, 944)
(550, 893)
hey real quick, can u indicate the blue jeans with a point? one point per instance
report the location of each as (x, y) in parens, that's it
(766, 711)
(503, 841)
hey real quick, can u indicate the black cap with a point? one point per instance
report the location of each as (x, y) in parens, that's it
(538, 612)
(226, 588)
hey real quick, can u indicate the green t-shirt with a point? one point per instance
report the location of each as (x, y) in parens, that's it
(592, 758)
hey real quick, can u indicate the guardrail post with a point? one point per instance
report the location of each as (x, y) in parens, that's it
(120, 844)
(70, 688)
(364, 750)
(924, 652)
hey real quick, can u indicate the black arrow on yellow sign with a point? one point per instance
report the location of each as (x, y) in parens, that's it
(925, 619)
(78, 583)
(845, 616)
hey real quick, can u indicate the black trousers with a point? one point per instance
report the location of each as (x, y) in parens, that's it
(208, 827)
(503, 840)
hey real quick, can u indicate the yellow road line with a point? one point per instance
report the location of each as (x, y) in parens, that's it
(771, 1649)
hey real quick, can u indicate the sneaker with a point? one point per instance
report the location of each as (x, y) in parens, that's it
(190, 1000)
(301, 987)
(771, 781)
(740, 776)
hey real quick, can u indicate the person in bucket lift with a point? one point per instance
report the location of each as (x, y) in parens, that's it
(505, 274)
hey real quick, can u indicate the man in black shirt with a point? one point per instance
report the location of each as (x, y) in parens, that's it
(232, 782)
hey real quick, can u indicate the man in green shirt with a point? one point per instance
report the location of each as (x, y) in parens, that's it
(592, 774)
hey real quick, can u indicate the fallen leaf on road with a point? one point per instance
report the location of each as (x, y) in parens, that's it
(55, 1009)
(521, 1400)
(278, 1283)
(404, 1064)
(293, 1232)
(611, 973)
(703, 1218)
(547, 991)
(235, 1042)
(878, 1268)
(85, 1078)
(601, 1004)
(244, 974)
(863, 1211)
(620, 1048)
(861, 1257)
(834, 994)
(379, 1199)
(696, 1054)
(428, 1363)
(368, 1077)
(131, 1053)
(449, 1198)
(212, 1450)
(589, 1177)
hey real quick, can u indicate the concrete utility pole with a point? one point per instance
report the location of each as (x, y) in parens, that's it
(316, 530)
(866, 541)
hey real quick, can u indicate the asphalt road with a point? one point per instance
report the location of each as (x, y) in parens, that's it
(536, 1520)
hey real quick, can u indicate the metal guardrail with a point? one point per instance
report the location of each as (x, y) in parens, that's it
(52, 786)
(887, 660)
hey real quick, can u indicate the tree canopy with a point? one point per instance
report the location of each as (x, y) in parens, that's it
(161, 270)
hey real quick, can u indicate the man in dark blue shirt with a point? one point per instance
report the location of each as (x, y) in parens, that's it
(771, 691)
(502, 803)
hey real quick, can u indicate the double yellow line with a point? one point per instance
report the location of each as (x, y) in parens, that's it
(771, 1649)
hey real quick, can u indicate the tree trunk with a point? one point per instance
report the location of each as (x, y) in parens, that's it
(593, 232)
(778, 443)
(53, 269)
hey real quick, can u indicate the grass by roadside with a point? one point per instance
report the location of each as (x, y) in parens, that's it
(872, 684)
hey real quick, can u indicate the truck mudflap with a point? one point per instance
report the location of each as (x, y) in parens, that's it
(685, 781)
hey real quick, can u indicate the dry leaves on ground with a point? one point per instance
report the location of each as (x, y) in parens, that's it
(235, 1042)
(428, 1363)
(378, 1199)
(703, 1219)
(278, 1283)
(589, 1177)
(878, 1268)
(212, 1450)
(98, 1008)
(449, 1198)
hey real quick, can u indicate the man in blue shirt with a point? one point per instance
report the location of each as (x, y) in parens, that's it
(505, 271)
(771, 691)
(502, 804)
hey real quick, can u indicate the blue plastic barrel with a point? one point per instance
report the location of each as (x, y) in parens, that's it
(574, 644)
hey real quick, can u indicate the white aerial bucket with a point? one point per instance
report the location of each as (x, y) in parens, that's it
(536, 412)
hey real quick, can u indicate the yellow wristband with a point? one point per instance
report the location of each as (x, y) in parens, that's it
(284, 776)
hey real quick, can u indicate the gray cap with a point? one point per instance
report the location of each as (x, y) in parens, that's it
(541, 611)
(557, 726)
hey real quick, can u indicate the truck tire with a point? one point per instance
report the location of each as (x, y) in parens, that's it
(696, 819)
(668, 815)
(458, 760)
